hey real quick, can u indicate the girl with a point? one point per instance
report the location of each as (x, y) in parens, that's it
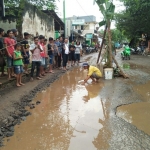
(18, 64)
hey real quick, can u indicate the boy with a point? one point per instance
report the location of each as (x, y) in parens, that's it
(25, 52)
(36, 49)
(18, 64)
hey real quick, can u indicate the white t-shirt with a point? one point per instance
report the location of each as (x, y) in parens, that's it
(66, 49)
(36, 55)
(78, 49)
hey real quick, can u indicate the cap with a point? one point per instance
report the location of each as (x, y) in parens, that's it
(85, 64)
(14, 30)
(26, 34)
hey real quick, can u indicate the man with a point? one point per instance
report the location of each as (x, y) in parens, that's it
(66, 54)
(25, 51)
(36, 49)
(46, 54)
(2, 60)
(93, 73)
(15, 34)
(72, 53)
(50, 47)
(60, 51)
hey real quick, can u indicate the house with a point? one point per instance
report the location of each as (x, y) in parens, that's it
(34, 21)
(83, 26)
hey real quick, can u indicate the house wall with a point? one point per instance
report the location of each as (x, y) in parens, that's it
(7, 25)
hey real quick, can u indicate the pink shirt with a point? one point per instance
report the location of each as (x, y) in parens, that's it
(43, 53)
(36, 55)
(10, 45)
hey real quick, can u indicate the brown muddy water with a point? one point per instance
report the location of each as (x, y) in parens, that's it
(71, 116)
(137, 114)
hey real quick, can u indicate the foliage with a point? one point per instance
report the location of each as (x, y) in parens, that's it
(41, 4)
(135, 19)
(118, 36)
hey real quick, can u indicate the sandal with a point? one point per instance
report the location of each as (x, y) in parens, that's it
(38, 78)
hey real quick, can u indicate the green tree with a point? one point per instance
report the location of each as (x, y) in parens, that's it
(135, 19)
(40, 4)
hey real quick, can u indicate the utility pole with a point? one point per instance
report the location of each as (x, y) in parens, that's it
(64, 13)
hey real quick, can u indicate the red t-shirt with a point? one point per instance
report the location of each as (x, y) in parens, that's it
(10, 43)
(43, 54)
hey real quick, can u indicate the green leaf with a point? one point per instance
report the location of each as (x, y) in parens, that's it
(102, 23)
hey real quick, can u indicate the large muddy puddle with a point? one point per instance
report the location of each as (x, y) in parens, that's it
(71, 116)
(143, 90)
(137, 114)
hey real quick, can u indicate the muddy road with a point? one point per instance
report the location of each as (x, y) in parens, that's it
(70, 116)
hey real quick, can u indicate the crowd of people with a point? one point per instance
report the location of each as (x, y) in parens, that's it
(43, 54)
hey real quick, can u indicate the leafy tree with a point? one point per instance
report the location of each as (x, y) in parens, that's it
(135, 19)
(41, 4)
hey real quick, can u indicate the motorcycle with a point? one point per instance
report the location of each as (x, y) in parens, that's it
(136, 51)
(125, 54)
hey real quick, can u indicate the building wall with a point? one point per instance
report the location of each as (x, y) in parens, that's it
(35, 26)
(7, 25)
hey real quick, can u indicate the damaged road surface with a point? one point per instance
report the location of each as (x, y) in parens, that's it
(72, 116)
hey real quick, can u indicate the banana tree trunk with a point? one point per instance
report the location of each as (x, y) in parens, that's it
(99, 55)
(109, 45)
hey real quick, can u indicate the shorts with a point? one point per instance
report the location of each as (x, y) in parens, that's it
(9, 62)
(43, 61)
(18, 69)
(94, 75)
(71, 56)
(77, 57)
(51, 59)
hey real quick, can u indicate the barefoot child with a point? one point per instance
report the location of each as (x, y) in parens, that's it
(18, 64)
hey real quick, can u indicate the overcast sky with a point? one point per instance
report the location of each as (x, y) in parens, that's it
(83, 8)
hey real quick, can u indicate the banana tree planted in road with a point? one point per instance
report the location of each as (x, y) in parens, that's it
(107, 8)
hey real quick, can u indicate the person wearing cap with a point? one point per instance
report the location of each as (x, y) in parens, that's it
(15, 34)
(93, 73)
(25, 51)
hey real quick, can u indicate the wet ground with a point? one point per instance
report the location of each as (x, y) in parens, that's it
(103, 116)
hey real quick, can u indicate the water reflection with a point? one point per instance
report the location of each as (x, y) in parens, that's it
(70, 116)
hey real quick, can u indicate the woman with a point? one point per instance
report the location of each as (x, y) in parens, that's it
(9, 44)
(78, 49)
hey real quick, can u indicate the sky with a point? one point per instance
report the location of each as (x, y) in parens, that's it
(84, 8)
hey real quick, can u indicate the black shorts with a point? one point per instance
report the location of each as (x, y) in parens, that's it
(71, 56)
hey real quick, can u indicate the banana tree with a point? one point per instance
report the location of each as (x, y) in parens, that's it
(107, 9)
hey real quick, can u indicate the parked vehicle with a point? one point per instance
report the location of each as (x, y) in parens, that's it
(136, 51)
(125, 54)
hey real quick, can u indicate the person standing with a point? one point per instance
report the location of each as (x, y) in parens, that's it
(46, 55)
(72, 53)
(15, 34)
(36, 50)
(78, 50)
(65, 54)
(51, 54)
(18, 64)
(60, 51)
(9, 44)
(43, 55)
(25, 52)
(2, 60)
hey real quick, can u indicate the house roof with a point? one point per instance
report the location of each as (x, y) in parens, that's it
(57, 21)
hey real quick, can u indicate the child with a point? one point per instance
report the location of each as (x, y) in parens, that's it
(18, 64)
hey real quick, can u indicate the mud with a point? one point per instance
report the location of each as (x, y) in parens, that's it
(137, 114)
(69, 113)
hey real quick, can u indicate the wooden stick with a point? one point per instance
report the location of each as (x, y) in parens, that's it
(121, 72)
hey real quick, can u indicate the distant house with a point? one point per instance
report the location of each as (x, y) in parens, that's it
(84, 26)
